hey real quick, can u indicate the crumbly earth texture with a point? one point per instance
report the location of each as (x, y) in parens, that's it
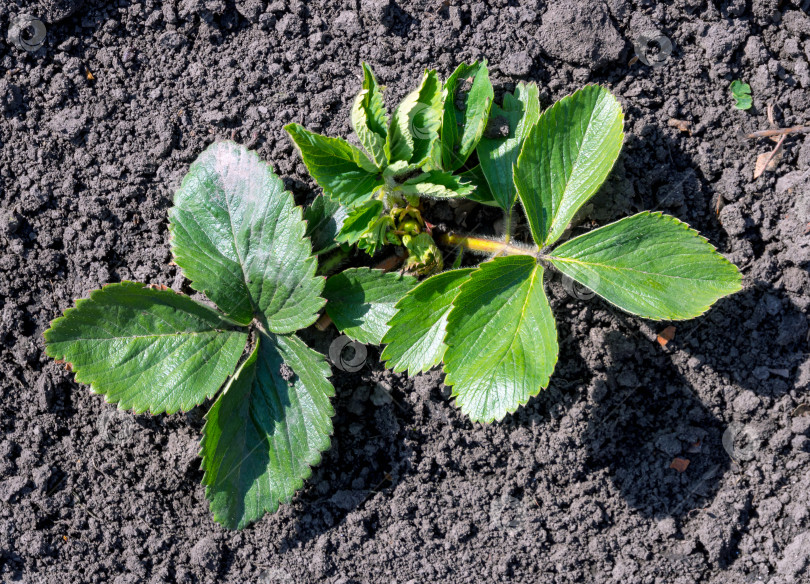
(577, 486)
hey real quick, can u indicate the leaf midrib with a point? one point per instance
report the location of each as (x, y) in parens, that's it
(522, 317)
(175, 334)
(621, 268)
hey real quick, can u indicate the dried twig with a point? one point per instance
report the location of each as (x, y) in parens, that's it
(778, 132)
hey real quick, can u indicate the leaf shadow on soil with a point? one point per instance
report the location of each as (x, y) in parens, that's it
(367, 454)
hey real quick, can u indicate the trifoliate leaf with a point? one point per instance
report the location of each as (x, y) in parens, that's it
(482, 193)
(413, 135)
(501, 339)
(343, 172)
(651, 265)
(415, 339)
(239, 238)
(436, 183)
(266, 430)
(500, 145)
(361, 301)
(566, 157)
(146, 349)
(467, 103)
(324, 219)
(369, 118)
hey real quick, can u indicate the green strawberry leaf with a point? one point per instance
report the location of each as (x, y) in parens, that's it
(146, 349)
(741, 92)
(437, 183)
(361, 301)
(266, 430)
(566, 157)
(324, 219)
(415, 339)
(468, 98)
(498, 154)
(359, 220)
(482, 193)
(651, 265)
(343, 172)
(413, 135)
(369, 118)
(501, 338)
(239, 238)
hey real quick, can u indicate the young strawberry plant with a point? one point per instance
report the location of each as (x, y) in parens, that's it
(431, 134)
(491, 326)
(239, 238)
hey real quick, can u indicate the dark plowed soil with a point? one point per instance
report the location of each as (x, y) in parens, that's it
(575, 487)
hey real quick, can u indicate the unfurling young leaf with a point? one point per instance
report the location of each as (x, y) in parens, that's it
(438, 184)
(467, 102)
(499, 153)
(343, 172)
(237, 234)
(369, 118)
(359, 221)
(413, 135)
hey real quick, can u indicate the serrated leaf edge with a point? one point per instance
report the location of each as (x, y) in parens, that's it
(682, 225)
(93, 385)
